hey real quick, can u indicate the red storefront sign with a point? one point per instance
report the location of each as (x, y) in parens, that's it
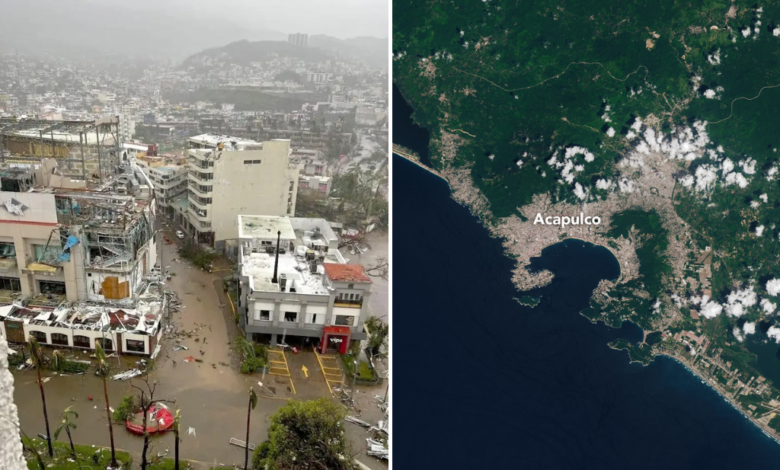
(336, 334)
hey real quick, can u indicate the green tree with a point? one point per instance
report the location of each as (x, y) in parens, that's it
(252, 405)
(66, 425)
(36, 353)
(309, 435)
(103, 370)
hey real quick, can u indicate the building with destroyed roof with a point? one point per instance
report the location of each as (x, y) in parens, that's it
(132, 327)
(295, 285)
(65, 240)
(229, 176)
(83, 150)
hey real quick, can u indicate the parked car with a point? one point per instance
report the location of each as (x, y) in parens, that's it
(179, 234)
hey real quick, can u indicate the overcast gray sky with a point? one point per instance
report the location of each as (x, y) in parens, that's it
(339, 18)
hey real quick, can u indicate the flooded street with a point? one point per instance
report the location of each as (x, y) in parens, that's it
(211, 395)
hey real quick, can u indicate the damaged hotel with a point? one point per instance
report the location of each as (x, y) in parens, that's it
(77, 238)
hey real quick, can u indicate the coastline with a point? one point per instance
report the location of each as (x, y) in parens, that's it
(769, 432)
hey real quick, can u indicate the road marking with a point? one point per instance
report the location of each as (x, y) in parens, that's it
(305, 371)
(280, 367)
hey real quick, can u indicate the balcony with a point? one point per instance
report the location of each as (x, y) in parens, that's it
(199, 178)
(348, 303)
(196, 202)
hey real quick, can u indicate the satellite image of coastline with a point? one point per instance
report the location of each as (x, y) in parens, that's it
(593, 191)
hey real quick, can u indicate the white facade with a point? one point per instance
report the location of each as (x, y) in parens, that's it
(230, 176)
(305, 289)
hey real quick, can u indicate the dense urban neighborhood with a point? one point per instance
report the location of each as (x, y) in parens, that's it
(194, 257)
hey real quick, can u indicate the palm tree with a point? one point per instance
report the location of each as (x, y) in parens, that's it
(36, 353)
(57, 361)
(176, 422)
(67, 425)
(252, 405)
(103, 370)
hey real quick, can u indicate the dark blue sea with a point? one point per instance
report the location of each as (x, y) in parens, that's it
(482, 382)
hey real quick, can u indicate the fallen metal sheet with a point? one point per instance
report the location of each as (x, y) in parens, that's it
(357, 421)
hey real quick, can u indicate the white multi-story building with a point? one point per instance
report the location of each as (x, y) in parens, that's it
(229, 176)
(169, 181)
(296, 286)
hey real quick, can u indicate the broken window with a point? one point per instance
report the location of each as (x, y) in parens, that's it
(106, 343)
(59, 338)
(265, 315)
(81, 341)
(42, 253)
(39, 336)
(7, 250)
(135, 345)
(51, 287)
(290, 316)
(10, 283)
(343, 320)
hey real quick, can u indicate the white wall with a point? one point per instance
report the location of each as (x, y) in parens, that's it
(258, 189)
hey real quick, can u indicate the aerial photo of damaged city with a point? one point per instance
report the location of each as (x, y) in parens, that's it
(623, 158)
(194, 256)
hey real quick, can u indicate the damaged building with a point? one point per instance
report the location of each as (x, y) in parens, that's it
(83, 150)
(297, 287)
(66, 241)
(132, 327)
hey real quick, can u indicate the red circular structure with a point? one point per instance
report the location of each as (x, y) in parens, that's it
(160, 419)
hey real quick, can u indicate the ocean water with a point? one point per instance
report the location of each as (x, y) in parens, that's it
(481, 381)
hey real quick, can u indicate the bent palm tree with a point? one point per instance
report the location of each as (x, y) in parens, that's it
(252, 405)
(36, 353)
(66, 424)
(103, 369)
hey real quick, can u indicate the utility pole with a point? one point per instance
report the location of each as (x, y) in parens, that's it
(354, 379)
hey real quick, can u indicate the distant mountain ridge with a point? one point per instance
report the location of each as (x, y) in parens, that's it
(370, 51)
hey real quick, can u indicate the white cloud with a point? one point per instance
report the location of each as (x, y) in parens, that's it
(768, 306)
(737, 334)
(705, 177)
(736, 178)
(776, 32)
(748, 166)
(773, 287)
(711, 310)
(727, 166)
(759, 230)
(749, 328)
(737, 301)
(580, 192)
(611, 132)
(714, 59)
(603, 184)
(630, 135)
(626, 186)
(754, 204)
(710, 94)
(774, 332)
(746, 32)
(688, 181)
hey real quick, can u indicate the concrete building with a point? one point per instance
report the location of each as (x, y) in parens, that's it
(298, 39)
(230, 176)
(304, 292)
(82, 149)
(320, 185)
(75, 256)
(169, 179)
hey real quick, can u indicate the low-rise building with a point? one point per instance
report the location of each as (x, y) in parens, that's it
(320, 185)
(295, 285)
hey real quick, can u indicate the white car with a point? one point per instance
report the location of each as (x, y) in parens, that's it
(179, 234)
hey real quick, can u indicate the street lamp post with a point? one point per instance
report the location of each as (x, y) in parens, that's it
(354, 378)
